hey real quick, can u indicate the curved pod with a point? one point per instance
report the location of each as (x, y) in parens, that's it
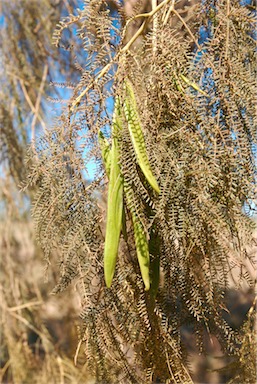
(136, 134)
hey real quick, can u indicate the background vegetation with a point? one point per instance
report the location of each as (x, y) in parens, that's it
(200, 136)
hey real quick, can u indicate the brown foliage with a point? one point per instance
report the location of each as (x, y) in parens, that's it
(199, 125)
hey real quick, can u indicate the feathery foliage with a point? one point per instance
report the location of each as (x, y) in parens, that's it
(26, 73)
(201, 146)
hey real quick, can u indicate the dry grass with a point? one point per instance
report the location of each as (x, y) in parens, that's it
(38, 330)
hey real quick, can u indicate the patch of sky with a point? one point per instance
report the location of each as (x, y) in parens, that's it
(249, 208)
(245, 2)
(2, 21)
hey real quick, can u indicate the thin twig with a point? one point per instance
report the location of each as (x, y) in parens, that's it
(151, 13)
(59, 362)
(26, 305)
(155, 27)
(227, 31)
(133, 39)
(17, 77)
(30, 326)
(37, 105)
(28, 99)
(169, 12)
(192, 36)
(4, 369)
(77, 352)
(187, 28)
(77, 101)
(108, 66)
(169, 367)
(125, 49)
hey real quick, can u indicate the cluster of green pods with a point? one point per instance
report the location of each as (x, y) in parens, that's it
(115, 223)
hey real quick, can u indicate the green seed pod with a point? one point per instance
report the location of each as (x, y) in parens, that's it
(115, 203)
(136, 134)
(106, 155)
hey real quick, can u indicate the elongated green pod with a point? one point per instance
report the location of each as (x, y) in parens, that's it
(193, 85)
(142, 250)
(136, 134)
(106, 155)
(115, 203)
